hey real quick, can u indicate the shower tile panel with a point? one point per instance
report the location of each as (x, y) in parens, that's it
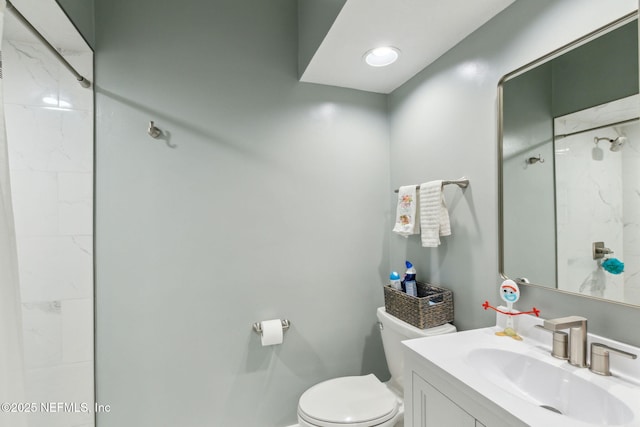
(42, 326)
(35, 202)
(75, 186)
(631, 195)
(592, 199)
(601, 115)
(75, 217)
(33, 72)
(50, 139)
(598, 199)
(55, 267)
(77, 333)
(49, 120)
(81, 98)
(63, 383)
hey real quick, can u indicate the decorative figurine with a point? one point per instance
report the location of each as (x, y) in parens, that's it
(510, 293)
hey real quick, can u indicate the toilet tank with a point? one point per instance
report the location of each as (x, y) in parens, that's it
(394, 331)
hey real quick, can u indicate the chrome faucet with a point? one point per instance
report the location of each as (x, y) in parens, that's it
(577, 326)
(559, 348)
(600, 358)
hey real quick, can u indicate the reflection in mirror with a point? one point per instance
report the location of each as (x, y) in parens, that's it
(569, 137)
(597, 159)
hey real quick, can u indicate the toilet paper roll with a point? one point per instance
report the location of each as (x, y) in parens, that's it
(271, 332)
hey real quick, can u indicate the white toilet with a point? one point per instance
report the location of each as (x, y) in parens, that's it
(365, 401)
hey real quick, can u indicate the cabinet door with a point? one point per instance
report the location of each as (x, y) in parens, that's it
(433, 409)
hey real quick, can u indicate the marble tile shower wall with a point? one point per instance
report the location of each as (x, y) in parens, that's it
(598, 198)
(631, 214)
(589, 209)
(50, 133)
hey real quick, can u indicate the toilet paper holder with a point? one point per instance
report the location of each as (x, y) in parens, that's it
(257, 327)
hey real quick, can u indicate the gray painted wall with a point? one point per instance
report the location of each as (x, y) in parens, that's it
(315, 19)
(529, 215)
(267, 198)
(600, 71)
(444, 125)
(271, 198)
(82, 14)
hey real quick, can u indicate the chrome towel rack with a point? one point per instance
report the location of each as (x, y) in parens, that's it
(462, 183)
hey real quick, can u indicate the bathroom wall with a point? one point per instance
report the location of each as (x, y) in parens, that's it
(271, 198)
(590, 209)
(631, 210)
(315, 19)
(265, 198)
(49, 120)
(597, 198)
(82, 14)
(529, 188)
(444, 125)
(600, 71)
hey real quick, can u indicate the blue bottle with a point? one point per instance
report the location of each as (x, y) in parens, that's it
(394, 281)
(410, 280)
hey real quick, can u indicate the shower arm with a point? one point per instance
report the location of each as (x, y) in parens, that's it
(604, 138)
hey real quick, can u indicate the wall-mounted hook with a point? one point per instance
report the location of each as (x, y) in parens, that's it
(153, 131)
(534, 160)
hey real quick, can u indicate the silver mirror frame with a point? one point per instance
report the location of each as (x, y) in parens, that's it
(543, 59)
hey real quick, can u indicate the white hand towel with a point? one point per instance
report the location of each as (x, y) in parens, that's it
(407, 222)
(434, 217)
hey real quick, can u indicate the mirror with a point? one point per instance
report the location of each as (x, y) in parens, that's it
(569, 156)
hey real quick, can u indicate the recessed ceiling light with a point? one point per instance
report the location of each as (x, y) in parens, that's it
(382, 56)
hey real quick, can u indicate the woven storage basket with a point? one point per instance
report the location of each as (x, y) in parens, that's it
(416, 310)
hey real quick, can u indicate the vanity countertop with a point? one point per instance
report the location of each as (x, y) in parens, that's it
(474, 358)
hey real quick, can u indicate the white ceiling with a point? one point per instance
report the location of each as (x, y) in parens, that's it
(422, 29)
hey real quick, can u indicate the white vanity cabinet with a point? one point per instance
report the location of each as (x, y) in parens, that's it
(434, 398)
(432, 408)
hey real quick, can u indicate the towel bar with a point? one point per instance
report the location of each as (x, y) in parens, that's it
(462, 183)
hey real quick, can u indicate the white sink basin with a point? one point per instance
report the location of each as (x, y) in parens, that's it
(523, 379)
(549, 387)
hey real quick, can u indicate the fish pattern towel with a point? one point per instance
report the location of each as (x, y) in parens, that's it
(434, 217)
(407, 222)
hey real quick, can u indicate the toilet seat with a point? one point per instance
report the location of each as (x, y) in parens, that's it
(361, 401)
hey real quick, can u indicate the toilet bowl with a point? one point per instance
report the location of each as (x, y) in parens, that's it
(365, 401)
(361, 401)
